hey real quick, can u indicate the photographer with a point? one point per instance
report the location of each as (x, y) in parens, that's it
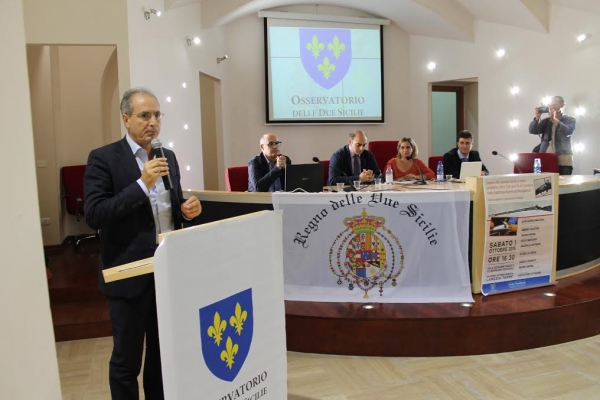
(555, 131)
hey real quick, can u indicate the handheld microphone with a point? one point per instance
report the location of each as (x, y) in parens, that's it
(159, 152)
(512, 162)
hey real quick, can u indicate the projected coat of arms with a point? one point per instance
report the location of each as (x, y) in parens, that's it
(326, 54)
(366, 254)
(226, 334)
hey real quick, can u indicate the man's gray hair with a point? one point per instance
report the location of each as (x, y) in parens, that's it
(559, 98)
(126, 107)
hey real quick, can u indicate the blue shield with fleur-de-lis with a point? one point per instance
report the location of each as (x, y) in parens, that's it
(326, 54)
(226, 334)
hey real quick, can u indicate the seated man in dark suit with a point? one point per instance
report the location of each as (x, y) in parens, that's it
(352, 162)
(455, 157)
(266, 171)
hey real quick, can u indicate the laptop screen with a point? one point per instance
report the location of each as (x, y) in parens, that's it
(472, 168)
(308, 177)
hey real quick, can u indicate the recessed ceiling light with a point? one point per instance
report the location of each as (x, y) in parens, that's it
(500, 53)
(431, 66)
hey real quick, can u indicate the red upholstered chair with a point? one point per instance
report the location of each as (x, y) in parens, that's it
(237, 179)
(72, 182)
(325, 170)
(432, 163)
(525, 162)
(383, 150)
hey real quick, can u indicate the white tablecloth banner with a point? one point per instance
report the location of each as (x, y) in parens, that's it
(388, 247)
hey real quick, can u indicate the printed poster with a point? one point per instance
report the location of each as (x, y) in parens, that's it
(520, 232)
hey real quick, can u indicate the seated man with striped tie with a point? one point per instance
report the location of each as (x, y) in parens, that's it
(353, 162)
(455, 157)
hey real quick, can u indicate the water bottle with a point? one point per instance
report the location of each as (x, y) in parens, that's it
(537, 166)
(389, 175)
(440, 172)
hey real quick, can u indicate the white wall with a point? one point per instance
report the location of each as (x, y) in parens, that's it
(540, 64)
(244, 97)
(28, 367)
(80, 22)
(161, 60)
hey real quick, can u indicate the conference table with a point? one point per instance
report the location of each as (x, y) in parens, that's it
(578, 217)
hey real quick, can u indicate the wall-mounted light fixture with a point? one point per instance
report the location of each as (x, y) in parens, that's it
(500, 53)
(148, 13)
(219, 59)
(582, 37)
(580, 111)
(515, 90)
(196, 40)
(431, 66)
(514, 123)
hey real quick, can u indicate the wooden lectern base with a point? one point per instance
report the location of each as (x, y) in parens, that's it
(527, 319)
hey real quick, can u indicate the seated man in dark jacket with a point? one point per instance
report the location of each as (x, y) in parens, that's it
(353, 162)
(460, 154)
(266, 171)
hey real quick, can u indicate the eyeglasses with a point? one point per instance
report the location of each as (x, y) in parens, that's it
(147, 115)
(273, 144)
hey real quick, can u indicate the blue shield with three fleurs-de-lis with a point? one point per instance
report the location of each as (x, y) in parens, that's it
(326, 54)
(226, 334)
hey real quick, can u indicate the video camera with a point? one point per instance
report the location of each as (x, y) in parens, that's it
(543, 109)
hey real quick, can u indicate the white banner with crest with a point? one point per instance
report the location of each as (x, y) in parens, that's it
(388, 247)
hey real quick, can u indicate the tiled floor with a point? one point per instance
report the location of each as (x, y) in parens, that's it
(566, 371)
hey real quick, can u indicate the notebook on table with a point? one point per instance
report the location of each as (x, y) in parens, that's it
(304, 177)
(470, 168)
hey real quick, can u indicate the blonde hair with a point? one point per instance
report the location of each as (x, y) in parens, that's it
(413, 145)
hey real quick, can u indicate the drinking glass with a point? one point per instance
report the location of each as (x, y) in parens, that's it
(340, 186)
(357, 185)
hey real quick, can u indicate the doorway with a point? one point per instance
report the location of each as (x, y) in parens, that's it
(454, 107)
(212, 132)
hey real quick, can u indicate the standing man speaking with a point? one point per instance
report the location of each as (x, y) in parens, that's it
(126, 199)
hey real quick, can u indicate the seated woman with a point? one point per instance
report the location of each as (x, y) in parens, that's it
(406, 165)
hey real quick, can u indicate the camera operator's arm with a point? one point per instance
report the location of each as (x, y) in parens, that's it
(535, 126)
(565, 124)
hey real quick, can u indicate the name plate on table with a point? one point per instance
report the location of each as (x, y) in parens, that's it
(389, 247)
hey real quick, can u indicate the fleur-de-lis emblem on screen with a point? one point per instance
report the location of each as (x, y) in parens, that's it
(315, 47)
(336, 47)
(326, 54)
(326, 68)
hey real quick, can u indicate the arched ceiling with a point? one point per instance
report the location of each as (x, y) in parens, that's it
(449, 19)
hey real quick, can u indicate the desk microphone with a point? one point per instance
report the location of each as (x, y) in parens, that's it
(512, 162)
(159, 152)
(422, 181)
(351, 188)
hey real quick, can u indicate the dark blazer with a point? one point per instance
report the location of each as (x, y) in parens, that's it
(117, 206)
(341, 163)
(260, 176)
(452, 162)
